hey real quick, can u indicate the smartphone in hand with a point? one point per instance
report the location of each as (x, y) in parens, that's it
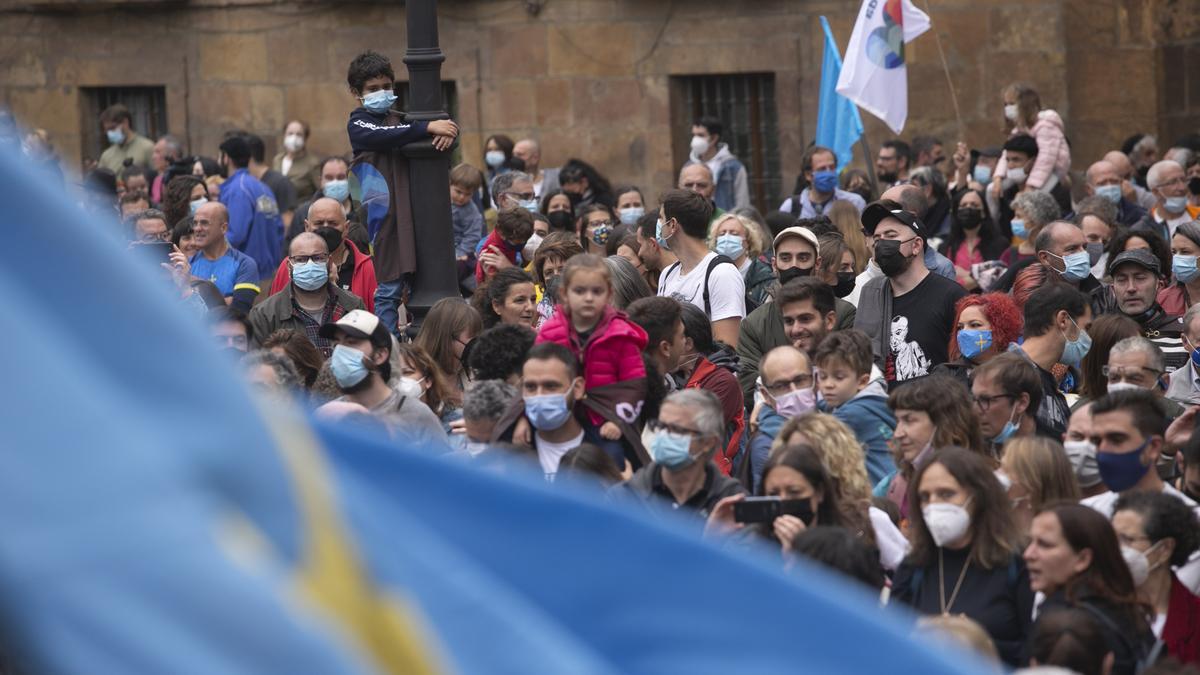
(767, 509)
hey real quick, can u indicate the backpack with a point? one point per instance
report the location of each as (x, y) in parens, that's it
(717, 260)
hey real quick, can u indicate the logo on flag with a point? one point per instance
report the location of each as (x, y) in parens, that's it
(885, 45)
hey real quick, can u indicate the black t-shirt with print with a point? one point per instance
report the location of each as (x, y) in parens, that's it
(921, 326)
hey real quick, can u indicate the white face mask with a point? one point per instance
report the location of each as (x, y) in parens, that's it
(531, 246)
(699, 145)
(410, 387)
(1016, 175)
(1122, 386)
(1010, 112)
(1083, 460)
(946, 522)
(1139, 564)
(293, 142)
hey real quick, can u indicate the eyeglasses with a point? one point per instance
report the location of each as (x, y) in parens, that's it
(656, 426)
(301, 259)
(801, 381)
(1123, 374)
(1182, 180)
(985, 402)
(523, 196)
(165, 235)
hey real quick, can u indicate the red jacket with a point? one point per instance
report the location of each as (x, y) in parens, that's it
(612, 354)
(725, 385)
(1181, 632)
(362, 284)
(494, 239)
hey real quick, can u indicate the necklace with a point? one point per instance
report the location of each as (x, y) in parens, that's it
(942, 584)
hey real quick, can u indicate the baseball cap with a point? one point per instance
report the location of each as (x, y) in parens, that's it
(1137, 256)
(797, 231)
(876, 212)
(361, 324)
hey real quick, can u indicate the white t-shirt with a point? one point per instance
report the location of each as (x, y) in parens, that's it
(549, 454)
(1189, 572)
(726, 288)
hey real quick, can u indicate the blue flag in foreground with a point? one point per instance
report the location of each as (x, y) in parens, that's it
(838, 125)
(156, 520)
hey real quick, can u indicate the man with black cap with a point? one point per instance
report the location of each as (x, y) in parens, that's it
(255, 226)
(311, 300)
(908, 313)
(1137, 276)
(361, 365)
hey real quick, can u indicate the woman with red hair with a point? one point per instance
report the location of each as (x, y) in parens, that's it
(984, 327)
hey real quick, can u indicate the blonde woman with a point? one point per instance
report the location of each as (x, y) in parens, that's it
(740, 240)
(846, 218)
(1037, 473)
(843, 459)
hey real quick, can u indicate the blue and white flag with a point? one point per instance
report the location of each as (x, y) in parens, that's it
(875, 76)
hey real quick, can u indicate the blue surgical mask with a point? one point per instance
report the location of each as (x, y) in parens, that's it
(1010, 428)
(196, 204)
(825, 182)
(1095, 249)
(631, 215)
(600, 235)
(379, 101)
(1075, 350)
(662, 243)
(982, 173)
(337, 190)
(1175, 204)
(347, 366)
(493, 158)
(547, 412)
(311, 275)
(1121, 471)
(1018, 228)
(1184, 268)
(973, 342)
(1076, 266)
(1110, 192)
(529, 205)
(671, 450)
(730, 245)
(115, 136)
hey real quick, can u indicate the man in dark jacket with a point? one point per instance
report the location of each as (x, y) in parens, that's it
(689, 429)
(1136, 279)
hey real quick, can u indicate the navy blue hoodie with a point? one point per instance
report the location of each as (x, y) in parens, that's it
(369, 133)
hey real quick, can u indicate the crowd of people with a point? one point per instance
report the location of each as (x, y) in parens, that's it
(970, 388)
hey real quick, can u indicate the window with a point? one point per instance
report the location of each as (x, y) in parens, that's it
(745, 104)
(147, 106)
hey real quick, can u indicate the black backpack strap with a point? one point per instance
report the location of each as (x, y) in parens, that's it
(795, 207)
(717, 260)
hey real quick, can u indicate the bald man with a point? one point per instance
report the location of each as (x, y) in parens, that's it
(530, 152)
(788, 390)
(234, 273)
(355, 269)
(699, 179)
(1130, 190)
(1104, 180)
(310, 301)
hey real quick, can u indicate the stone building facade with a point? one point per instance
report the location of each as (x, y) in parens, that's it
(612, 81)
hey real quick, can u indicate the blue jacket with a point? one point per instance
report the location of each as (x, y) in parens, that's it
(769, 424)
(468, 228)
(368, 132)
(938, 263)
(868, 416)
(255, 226)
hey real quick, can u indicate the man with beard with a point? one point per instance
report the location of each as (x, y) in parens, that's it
(908, 313)
(361, 366)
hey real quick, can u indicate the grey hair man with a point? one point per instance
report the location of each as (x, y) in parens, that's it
(512, 189)
(688, 431)
(1184, 387)
(1168, 181)
(484, 403)
(272, 374)
(1135, 363)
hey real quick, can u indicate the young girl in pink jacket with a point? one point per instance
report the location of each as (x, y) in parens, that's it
(1023, 109)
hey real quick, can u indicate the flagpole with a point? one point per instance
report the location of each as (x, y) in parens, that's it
(937, 39)
(862, 140)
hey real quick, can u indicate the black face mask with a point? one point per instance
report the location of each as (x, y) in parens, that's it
(561, 221)
(889, 258)
(1194, 185)
(969, 219)
(793, 273)
(845, 284)
(888, 177)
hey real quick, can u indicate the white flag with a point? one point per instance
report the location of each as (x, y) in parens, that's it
(874, 75)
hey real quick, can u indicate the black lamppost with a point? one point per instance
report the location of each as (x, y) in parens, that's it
(429, 168)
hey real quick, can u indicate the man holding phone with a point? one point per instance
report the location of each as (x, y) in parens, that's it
(689, 429)
(234, 273)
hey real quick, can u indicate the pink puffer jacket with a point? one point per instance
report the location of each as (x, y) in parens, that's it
(1054, 155)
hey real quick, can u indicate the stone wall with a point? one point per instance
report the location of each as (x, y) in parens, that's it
(591, 78)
